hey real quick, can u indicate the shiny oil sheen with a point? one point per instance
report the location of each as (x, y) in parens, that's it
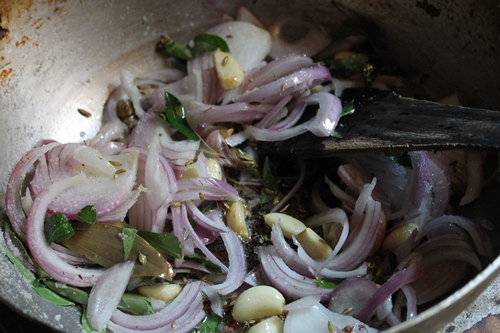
(60, 56)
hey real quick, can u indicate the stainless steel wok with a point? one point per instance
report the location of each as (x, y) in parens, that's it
(57, 56)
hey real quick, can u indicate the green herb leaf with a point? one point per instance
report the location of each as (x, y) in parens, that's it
(210, 324)
(26, 273)
(50, 295)
(37, 286)
(88, 214)
(336, 134)
(207, 263)
(348, 109)
(178, 51)
(73, 294)
(164, 242)
(128, 237)
(57, 228)
(269, 181)
(329, 284)
(207, 42)
(136, 304)
(200, 44)
(175, 115)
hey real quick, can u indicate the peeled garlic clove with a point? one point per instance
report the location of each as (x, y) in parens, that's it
(235, 219)
(289, 225)
(229, 71)
(258, 302)
(269, 325)
(397, 236)
(190, 172)
(213, 168)
(315, 246)
(164, 292)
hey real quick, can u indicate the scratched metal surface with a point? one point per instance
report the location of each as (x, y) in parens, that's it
(57, 56)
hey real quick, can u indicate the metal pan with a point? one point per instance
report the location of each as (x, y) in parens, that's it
(58, 56)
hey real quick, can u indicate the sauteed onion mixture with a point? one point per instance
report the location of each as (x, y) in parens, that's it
(170, 220)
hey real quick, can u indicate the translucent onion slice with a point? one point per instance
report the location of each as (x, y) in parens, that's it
(107, 293)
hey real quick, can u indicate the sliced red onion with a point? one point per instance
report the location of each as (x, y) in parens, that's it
(189, 298)
(179, 217)
(341, 195)
(133, 93)
(411, 301)
(328, 115)
(264, 134)
(287, 254)
(453, 163)
(448, 247)
(351, 295)
(206, 84)
(474, 177)
(204, 188)
(273, 112)
(156, 174)
(177, 152)
(107, 293)
(439, 279)
(236, 273)
(105, 187)
(309, 315)
(280, 67)
(13, 205)
(292, 119)
(203, 220)
(478, 235)
(181, 214)
(395, 282)
(293, 84)
(235, 112)
(365, 226)
(106, 140)
(42, 253)
(290, 283)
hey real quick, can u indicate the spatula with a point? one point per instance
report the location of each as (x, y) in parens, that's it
(386, 122)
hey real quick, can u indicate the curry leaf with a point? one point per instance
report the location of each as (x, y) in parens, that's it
(329, 284)
(164, 242)
(200, 44)
(175, 115)
(88, 214)
(269, 181)
(73, 294)
(136, 304)
(37, 286)
(50, 295)
(207, 42)
(207, 263)
(336, 134)
(128, 238)
(210, 324)
(348, 109)
(57, 228)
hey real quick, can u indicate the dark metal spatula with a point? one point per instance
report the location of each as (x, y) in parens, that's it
(385, 122)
